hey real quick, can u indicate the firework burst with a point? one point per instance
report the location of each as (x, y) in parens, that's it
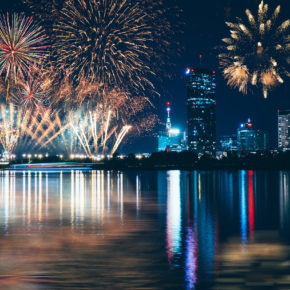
(257, 54)
(22, 43)
(105, 40)
(33, 92)
(113, 42)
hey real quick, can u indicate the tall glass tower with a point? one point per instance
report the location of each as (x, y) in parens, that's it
(201, 101)
(284, 130)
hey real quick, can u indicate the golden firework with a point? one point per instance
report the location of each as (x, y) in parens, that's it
(257, 53)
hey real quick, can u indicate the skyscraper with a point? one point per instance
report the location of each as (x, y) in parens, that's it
(284, 130)
(250, 139)
(201, 101)
(246, 137)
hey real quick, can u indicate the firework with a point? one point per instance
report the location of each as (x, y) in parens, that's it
(46, 11)
(37, 129)
(105, 40)
(30, 129)
(112, 42)
(92, 127)
(22, 43)
(33, 92)
(257, 54)
(9, 129)
(91, 132)
(70, 96)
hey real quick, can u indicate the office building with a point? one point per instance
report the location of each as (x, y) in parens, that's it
(201, 101)
(262, 140)
(228, 143)
(284, 130)
(250, 139)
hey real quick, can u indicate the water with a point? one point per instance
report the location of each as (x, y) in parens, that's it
(145, 230)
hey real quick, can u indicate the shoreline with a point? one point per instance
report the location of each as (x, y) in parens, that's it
(158, 168)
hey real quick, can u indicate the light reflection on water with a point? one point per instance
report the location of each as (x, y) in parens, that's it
(75, 196)
(140, 230)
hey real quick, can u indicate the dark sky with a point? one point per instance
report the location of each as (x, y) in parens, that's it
(204, 27)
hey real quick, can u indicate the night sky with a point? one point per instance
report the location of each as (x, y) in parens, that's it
(204, 28)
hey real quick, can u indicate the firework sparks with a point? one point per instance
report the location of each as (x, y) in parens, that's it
(69, 95)
(33, 92)
(113, 42)
(120, 137)
(104, 39)
(9, 133)
(21, 43)
(37, 129)
(22, 129)
(92, 131)
(238, 77)
(257, 54)
(96, 126)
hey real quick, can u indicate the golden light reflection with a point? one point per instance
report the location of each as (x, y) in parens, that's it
(138, 193)
(58, 216)
(173, 214)
(72, 196)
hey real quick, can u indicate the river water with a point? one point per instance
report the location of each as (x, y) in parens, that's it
(145, 230)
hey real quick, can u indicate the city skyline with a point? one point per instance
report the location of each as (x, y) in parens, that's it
(204, 26)
(151, 134)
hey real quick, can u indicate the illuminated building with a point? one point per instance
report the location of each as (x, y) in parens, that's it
(261, 140)
(228, 143)
(284, 130)
(170, 139)
(250, 139)
(201, 101)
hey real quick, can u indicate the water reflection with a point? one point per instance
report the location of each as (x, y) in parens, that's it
(77, 196)
(84, 225)
(173, 214)
(284, 205)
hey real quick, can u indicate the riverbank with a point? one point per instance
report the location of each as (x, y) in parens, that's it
(184, 161)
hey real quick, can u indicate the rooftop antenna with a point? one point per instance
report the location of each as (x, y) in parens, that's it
(200, 58)
(168, 121)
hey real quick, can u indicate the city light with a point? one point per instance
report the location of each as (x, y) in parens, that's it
(174, 131)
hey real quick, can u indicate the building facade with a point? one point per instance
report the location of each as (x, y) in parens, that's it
(250, 139)
(201, 101)
(170, 139)
(284, 130)
(228, 143)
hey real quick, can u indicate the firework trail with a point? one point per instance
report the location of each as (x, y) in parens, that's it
(120, 137)
(94, 130)
(36, 129)
(257, 53)
(9, 133)
(28, 129)
(88, 124)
